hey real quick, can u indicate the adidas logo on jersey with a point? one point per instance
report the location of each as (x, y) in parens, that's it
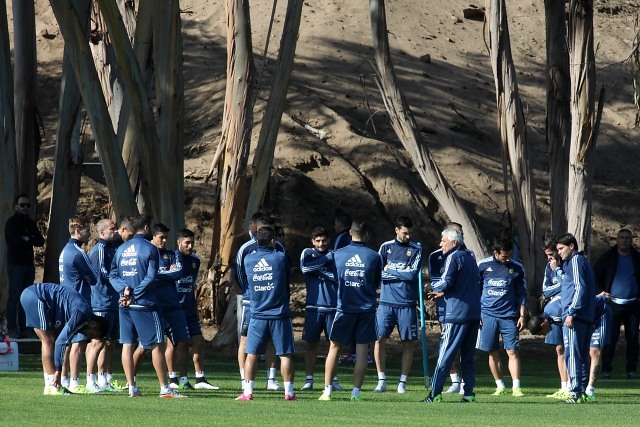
(354, 261)
(130, 251)
(262, 266)
(489, 269)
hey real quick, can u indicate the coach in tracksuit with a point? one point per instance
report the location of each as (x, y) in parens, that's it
(578, 311)
(460, 288)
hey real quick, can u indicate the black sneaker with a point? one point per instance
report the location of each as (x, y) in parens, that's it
(632, 376)
(433, 399)
(581, 399)
(173, 382)
(606, 375)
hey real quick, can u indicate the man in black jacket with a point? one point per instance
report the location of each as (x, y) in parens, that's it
(617, 273)
(21, 234)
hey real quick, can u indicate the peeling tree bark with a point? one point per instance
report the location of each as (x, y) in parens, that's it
(405, 127)
(231, 183)
(585, 120)
(513, 131)
(558, 115)
(263, 157)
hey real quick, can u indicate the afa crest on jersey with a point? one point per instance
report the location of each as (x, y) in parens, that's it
(165, 257)
(511, 271)
(409, 252)
(193, 265)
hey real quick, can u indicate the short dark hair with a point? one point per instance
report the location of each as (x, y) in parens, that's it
(343, 218)
(159, 228)
(267, 221)
(550, 242)
(257, 216)
(102, 325)
(265, 236)
(126, 222)
(139, 221)
(319, 231)
(535, 324)
(185, 233)
(404, 221)
(567, 239)
(361, 230)
(500, 245)
(19, 196)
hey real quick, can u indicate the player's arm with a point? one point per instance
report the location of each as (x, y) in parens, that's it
(85, 268)
(410, 273)
(448, 275)
(579, 287)
(153, 261)
(521, 298)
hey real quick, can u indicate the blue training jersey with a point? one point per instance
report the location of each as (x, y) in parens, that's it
(241, 274)
(268, 276)
(76, 270)
(322, 287)
(343, 238)
(551, 286)
(578, 288)
(400, 270)
(359, 271)
(504, 288)
(553, 310)
(103, 296)
(169, 272)
(186, 285)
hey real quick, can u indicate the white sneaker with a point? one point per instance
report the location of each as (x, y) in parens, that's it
(380, 388)
(455, 388)
(402, 387)
(307, 386)
(93, 388)
(335, 386)
(274, 386)
(204, 385)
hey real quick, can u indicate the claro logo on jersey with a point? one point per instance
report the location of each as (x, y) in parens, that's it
(354, 261)
(130, 273)
(262, 266)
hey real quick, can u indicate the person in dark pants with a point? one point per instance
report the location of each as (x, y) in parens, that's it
(618, 275)
(21, 234)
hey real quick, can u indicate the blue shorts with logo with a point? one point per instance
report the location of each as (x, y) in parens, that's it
(37, 314)
(317, 321)
(601, 335)
(175, 322)
(405, 318)
(114, 323)
(492, 328)
(359, 328)
(150, 326)
(128, 332)
(246, 318)
(554, 337)
(280, 331)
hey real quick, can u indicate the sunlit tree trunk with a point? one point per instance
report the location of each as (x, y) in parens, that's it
(231, 185)
(513, 132)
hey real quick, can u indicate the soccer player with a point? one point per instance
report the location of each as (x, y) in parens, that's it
(600, 337)
(270, 312)
(57, 313)
(401, 265)
(322, 298)
(258, 220)
(76, 271)
(186, 287)
(578, 310)
(503, 309)
(104, 302)
(460, 288)
(359, 271)
(134, 277)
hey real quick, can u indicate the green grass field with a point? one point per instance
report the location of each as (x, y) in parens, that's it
(23, 402)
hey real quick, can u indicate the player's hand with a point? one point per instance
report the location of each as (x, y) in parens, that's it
(432, 296)
(521, 323)
(568, 322)
(57, 380)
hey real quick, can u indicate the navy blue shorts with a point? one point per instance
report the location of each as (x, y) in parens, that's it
(37, 315)
(492, 328)
(246, 319)
(601, 335)
(114, 323)
(193, 324)
(128, 331)
(359, 328)
(405, 318)
(175, 325)
(554, 337)
(280, 331)
(316, 322)
(79, 338)
(150, 326)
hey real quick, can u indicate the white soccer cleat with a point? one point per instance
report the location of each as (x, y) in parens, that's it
(307, 386)
(455, 388)
(402, 387)
(380, 388)
(274, 386)
(205, 385)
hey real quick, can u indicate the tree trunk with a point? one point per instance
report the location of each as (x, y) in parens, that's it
(167, 54)
(513, 131)
(584, 120)
(558, 116)
(231, 183)
(263, 157)
(87, 77)
(69, 158)
(27, 133)
(405, 127)
(8, 165)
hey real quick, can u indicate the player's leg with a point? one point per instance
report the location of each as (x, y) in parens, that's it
(311, 335)
(365, 335)
(407, 321)
(511, 341)
(608, 352)
(78, 349)
(94, 347)
(170, 357)
(450, 340)
(469, 332)
(489, 341)
(270, 360)
(281, 332)
(385, 322)
(257, 334)
(242, 342)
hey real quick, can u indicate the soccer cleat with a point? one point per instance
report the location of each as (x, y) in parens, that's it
(185, 386)
(307, 386)
(47, 390)
(433, 399)
(356, 398)
(500, 391)
(402, 387)
(570, 400)
(135, 392)
(62, 391)
(560, 394)
(517, 392)
(245, 397)
(79, 389)
(202, 384)
(274, 386)
(171, 395)
(591, 397)
(606, 375)
(455, 388)
(290, 397)
(109, 389)
(468, 399)
(380, 388)
(115, 384)
(325, 397)
(92, 388)
(632, 376)
(335, 386)
(173, 382)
